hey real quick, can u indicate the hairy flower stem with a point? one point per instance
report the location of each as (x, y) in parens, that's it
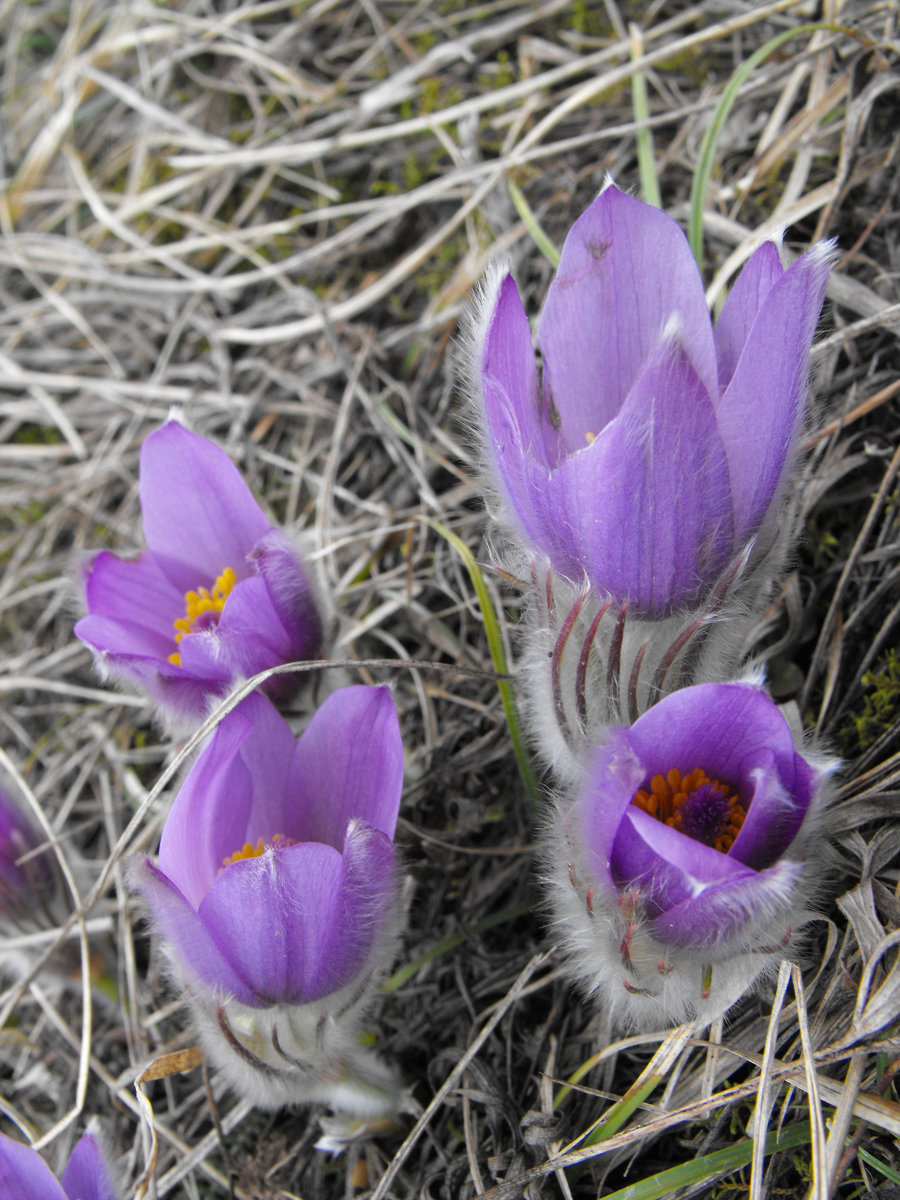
(590, 662)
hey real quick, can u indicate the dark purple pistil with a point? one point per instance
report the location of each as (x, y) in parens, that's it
(705, 814)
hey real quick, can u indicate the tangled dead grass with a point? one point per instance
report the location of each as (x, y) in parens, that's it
(271, 215)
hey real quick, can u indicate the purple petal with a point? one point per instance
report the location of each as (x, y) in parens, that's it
(190, 944)
(132, 607)
(199, 515)
(760, 411)
(86, 1176)
(724, 910)
(777, 806)
(614, 775)
(666, 864)
(522, 441)
(258, 627)
(648, 503)
(728, 729)
(626, 269)
(122, 641)
(24, 1175)
(247, 638)
(348, 764)
(181, 693)
(760, 274)
(510, 381)
(292, 596)
(176, 690)
(130, 624)
(523, 477)
(298, 922)
(234, 794)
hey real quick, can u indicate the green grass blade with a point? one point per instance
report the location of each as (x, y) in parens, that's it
(651, 1077)
(876, 1164)
(616, 1117)
(409, 969)
(530, 222)
(498, 659)
(576, 1077)
(689, 1174)
(643, 137)
(707, 154)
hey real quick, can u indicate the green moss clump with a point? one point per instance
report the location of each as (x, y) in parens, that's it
(589, 20)
(881, 706)
(499, 74)
(823, 543)
(30, 434)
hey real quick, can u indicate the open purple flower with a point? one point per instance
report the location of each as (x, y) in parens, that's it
(275, 893)
(25, 1176)
(653, 449)
(219, 594)
(681, 867)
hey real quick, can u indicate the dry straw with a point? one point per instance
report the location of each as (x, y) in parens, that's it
(272, 215)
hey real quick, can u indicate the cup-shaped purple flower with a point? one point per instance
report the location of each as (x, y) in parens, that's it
(682, 869)
(276, 892)
(653, 448)
(25, 1176)
(219, 594)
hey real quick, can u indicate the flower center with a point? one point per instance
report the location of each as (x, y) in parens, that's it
(702, 808)
(202, 608)
(248, 850)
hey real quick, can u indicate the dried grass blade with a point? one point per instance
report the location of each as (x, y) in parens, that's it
(707, 154)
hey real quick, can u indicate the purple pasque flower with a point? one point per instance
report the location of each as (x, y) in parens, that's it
(653, 448)
(29, 881)
(25, 1176)
(36, 897)
(681, 869)
(276, 889)
(219, 594)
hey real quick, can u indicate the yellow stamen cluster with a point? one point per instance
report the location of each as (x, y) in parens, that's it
(199, 602)
(669, 794)
(248, 850)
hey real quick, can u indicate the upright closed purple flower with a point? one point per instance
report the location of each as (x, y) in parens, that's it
(681, 870)
(218, 595)
(641, 474)
(276, 892)
(654, 448)
(25, 1176)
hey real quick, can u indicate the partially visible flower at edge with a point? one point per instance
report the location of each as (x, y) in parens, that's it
(219, 594)
(25, 1176)
(276, 896)
(686, 863)
(32, 891)
(23, 876)
(653, 449)
(36, 900)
